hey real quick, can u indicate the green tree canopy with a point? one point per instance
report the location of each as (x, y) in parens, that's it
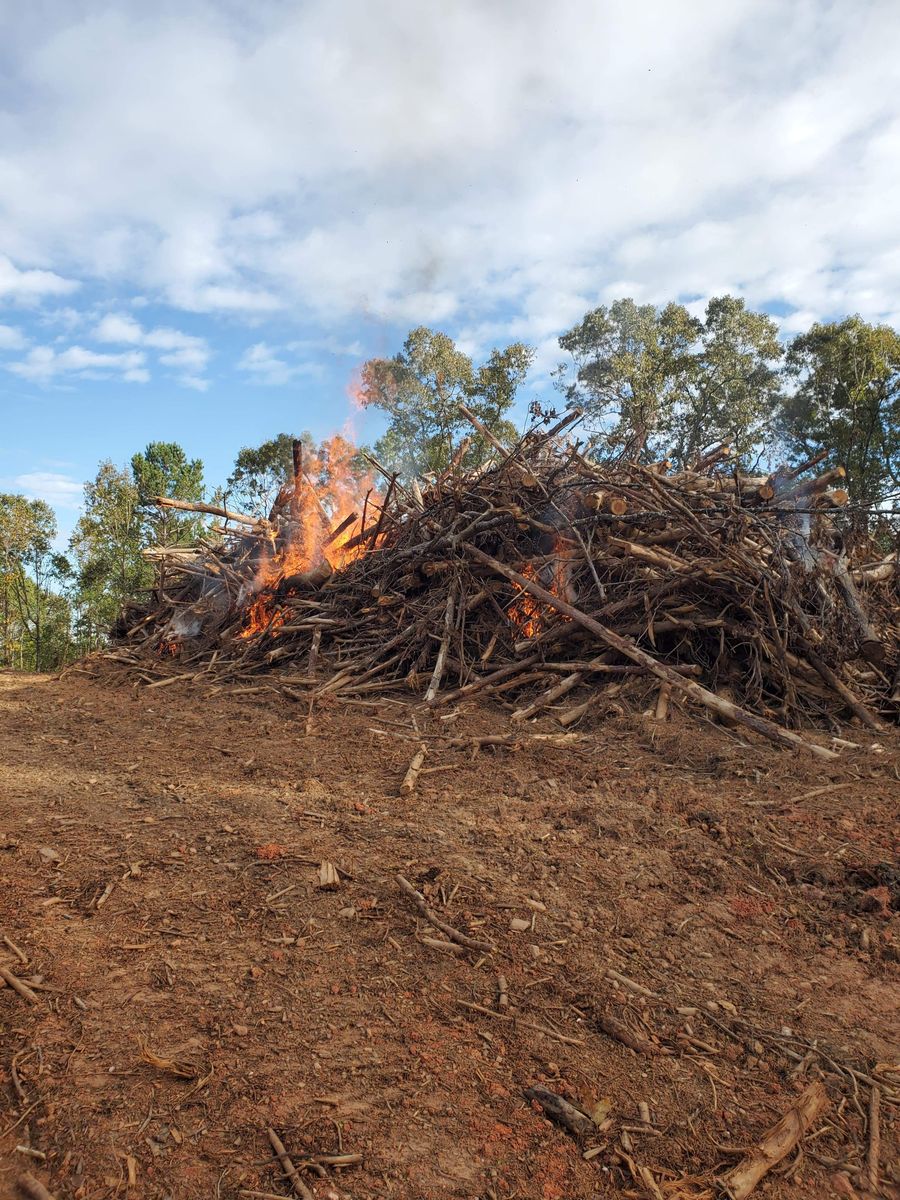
(27, 566)
(106, 544)
(163, 469)
(735, 385)
(261, 471)
(632, 365)
(421, 388)
(845, 399)
(660, 382)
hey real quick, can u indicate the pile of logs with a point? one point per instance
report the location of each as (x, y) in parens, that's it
(549, 581)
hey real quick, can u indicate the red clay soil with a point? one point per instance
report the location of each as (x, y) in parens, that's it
(731, 908)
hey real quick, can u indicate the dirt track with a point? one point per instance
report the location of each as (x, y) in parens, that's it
(160, 854)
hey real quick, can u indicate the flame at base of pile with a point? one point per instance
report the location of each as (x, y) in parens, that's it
(528, 615)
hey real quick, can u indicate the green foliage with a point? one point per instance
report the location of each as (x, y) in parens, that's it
(735, 386)
(119, 521)
(845, 399)
(107, 547)
(659, 382)
(633, 365)
(163, 469)
(34, 621)
(421, 389)
(261, 471)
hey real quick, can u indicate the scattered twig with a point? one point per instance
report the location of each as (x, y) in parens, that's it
(874, 1148)
(17, 985)
(11, 945)
(300, 1188)
(507, 1016)
(453, 934)
(502, 992)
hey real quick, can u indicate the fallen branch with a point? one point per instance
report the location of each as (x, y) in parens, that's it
(776, 1144)
(31, 1188)
(213, 510)
(300, 1188)
(453, 934)
(17, 985)
(561, 1112)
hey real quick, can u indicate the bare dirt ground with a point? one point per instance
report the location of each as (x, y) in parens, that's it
(734, 909)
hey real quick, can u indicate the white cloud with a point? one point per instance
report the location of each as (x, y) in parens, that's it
(12, 338)
(29, 286)
(43, 364)
(118, 329)
(262, 362)
(467, 164)
(185, 353)
(329, 345)
(62, 491)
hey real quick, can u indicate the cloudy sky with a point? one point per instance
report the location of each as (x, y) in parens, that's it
(210, 213)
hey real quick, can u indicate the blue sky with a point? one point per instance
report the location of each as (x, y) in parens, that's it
(211, 213)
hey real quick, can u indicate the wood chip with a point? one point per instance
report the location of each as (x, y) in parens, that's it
(329, 879)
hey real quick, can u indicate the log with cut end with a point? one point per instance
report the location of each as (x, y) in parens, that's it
(712, 456)
(836, 498)
(809, 487)
(878, 572)
(607, 502)
(763, 492)
(777, 1143)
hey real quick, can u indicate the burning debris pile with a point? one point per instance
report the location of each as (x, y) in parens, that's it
(539, 574)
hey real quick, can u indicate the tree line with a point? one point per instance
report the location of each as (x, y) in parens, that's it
(654, 383)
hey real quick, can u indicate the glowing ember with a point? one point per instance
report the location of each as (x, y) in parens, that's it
(169, 649)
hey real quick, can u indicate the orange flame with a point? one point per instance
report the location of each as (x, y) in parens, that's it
(526, 612)
(329, 491)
